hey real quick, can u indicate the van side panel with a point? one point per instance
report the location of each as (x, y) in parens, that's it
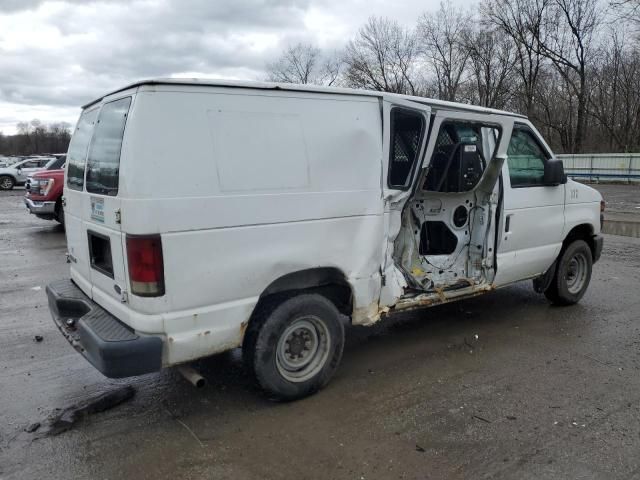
(246, 187)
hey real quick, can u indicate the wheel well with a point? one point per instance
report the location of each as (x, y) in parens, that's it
(327, 281)
(581, 232)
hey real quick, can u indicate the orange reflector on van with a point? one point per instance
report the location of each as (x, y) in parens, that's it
(146, 269)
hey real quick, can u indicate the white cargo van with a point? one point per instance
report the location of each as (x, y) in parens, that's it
(202, 216)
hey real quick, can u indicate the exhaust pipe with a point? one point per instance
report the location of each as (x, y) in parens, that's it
(190, 374)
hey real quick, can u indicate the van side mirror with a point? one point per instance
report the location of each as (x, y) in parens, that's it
(554, 172)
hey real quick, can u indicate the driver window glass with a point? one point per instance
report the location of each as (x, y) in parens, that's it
(407, 130)
(525, 159)
(460, 155)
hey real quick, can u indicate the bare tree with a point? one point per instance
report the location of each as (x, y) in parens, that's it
(615, 98)
(626, 10)
(555, 109)
(382, 57)
(566, 40)
(24, 128)
(441, 36)
(549, 59)
(304, 64)
(36, 137)
(491, 62)
(519, 20)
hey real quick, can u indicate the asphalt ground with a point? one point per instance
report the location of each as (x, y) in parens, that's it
(622, 210)
(622, 200)
(499, 386)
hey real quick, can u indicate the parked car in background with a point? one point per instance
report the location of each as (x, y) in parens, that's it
(44, 196)
(56, 164)
(18, 173)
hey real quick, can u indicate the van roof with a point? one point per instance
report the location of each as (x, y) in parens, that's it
(202, 82)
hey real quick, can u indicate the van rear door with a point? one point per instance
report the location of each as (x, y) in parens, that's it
(406, 124)
(77, 247)
(96, 234)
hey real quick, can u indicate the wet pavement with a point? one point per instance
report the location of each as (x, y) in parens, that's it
(499, 386)
(622, 213)
(622, 200)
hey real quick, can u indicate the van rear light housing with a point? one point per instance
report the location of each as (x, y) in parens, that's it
(146, 268)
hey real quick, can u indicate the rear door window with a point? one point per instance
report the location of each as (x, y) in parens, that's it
(77, 153)
(407, 130)
(103, 164)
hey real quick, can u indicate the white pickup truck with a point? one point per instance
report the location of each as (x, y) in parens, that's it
(295, 211)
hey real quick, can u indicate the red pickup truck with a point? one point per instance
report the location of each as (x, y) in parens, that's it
(44, 195)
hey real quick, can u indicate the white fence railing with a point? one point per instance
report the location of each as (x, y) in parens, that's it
(602, 167)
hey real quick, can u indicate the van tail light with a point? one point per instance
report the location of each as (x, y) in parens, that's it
(146, 269)
(602, 205)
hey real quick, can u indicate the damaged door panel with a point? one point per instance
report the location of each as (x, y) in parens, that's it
(405, 128)
(445, 246)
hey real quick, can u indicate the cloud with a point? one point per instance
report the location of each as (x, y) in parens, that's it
(58, 55)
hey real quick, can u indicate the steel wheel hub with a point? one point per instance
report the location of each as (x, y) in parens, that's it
(303, 349)
(576, 273)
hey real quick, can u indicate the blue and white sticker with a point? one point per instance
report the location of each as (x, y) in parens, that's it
(97, 209)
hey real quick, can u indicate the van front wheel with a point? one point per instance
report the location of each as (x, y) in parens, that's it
(294, 347)
(572, 276)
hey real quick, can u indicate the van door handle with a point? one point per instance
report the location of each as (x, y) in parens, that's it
(507, 223)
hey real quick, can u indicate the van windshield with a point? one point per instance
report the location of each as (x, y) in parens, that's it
(103, 164)
(77, 154)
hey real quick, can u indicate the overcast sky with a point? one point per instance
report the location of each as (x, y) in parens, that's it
(58, 55)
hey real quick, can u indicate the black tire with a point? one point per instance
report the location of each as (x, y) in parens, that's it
(269, 354)
(7, 182)
(60, 213)
(572, 276)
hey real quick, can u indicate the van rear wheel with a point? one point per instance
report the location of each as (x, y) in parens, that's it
(572, 276)
(293, 347)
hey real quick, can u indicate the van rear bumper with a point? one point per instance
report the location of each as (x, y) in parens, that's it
(109, 345)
